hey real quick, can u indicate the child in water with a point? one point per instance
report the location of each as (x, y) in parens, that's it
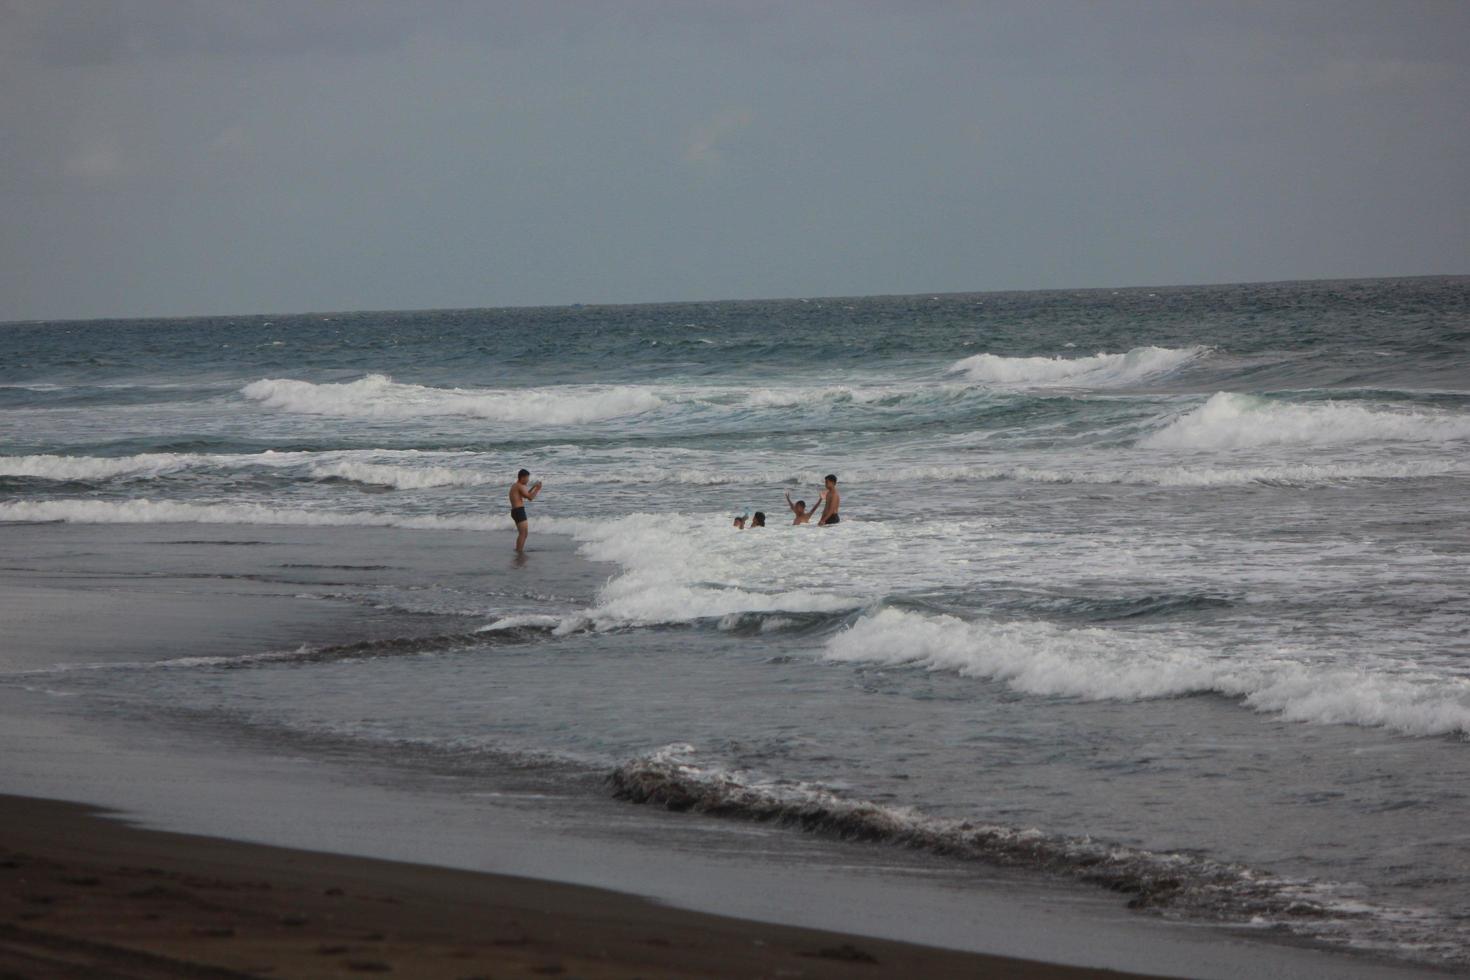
(803, 516)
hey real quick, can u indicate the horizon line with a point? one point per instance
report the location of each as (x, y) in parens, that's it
(933, 294)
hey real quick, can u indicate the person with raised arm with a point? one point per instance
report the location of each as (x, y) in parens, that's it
(803, 516)
(522, 492)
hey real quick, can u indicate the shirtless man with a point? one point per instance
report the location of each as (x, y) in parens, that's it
(830, 500)
(803, 516)
(520, 495)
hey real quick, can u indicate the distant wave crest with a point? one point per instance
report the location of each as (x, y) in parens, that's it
(48, 466)
(379, 396)
(1101, 370)
(413, 470)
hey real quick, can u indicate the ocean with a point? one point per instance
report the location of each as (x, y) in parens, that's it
(1157, 592)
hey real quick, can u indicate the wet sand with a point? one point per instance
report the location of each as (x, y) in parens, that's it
(82, 895)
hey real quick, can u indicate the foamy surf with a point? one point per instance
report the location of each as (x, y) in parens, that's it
(672, 575)
(1101, 370)
(1099, 664)
(403, 477)
(379, 396)
(1166, 475)
(362, 466)
(50, 466)
(668, 578)
(1236, 421)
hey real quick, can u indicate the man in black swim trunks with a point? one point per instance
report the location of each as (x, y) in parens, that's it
(830, 500)
(520, 495)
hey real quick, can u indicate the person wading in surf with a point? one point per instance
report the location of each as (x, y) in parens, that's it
(830, 500)
(520, 495)
(803, 516)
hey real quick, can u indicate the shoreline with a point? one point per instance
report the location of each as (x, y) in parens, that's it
(261, 799)
(85, 894)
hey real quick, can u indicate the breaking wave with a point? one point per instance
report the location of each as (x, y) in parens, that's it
(1102, 370)
(473, 470)
(141, 466)
(1166, 882)
(379, 396)
(1235, 421)
(320, 466)
(400, 477)
(1099, 664)
(1290, 474)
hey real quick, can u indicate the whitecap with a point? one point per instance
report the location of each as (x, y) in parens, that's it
(379, 396)
(1235, 421)
(1101, 665)
(1098, 371)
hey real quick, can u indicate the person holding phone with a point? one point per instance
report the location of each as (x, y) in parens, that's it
(522, 492)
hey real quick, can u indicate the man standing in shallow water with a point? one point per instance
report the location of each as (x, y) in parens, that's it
(830, 500)
(520, 495)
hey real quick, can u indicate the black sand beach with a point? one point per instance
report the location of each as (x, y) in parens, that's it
(86, 896)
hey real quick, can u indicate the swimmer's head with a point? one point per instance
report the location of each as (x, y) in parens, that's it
(523, 475)
(801, 506)
(759, 520)
(740, 522)
(831, 480)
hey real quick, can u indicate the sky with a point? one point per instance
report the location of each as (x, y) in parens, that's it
(190, 157)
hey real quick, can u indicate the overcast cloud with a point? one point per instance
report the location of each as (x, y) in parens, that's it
(171, 158)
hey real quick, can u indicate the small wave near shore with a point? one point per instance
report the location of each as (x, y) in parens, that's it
(1168, 883)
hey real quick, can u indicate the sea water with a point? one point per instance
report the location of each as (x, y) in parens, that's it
(1162, 590)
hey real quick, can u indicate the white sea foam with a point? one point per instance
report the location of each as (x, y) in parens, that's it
(347, 465)
(668, 577)
(835, 395)
(1297, 474)
(49, 467)
(677, 569)
(142, 465)
(793, 397)
(1235, 421)
(378, 396)
(402, 477)
(1101, 370)
(802, 481)
(1098, 664)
